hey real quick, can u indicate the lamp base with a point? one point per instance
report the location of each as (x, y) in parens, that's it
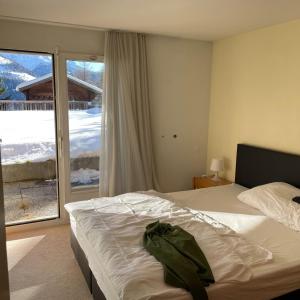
(216, 177)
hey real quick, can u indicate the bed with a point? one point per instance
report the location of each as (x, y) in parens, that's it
(255, 166)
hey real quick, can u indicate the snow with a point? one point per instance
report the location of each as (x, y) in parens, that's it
(84, 176)
(4, 61)
(21, 76)
(30, 135)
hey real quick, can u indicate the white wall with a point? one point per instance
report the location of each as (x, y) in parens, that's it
(179, 74)
(40, 37)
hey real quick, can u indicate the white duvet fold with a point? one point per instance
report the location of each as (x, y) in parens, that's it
(115, 226)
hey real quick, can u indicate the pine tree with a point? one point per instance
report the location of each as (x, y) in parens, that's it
(2, 86)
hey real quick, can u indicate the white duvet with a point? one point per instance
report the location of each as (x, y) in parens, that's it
(114, 228)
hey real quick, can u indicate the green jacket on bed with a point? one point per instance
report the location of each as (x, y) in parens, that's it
(185, 265)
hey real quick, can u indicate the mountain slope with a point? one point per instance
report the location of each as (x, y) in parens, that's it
(16, 68)
(12, 74)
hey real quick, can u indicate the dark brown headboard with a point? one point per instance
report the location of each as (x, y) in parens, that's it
(256, 166)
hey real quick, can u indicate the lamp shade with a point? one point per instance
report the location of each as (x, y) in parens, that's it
(217, 165)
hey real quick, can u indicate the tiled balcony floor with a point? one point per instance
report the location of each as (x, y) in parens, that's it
(30, 200)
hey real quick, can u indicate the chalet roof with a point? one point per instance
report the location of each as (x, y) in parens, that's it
(28, 84)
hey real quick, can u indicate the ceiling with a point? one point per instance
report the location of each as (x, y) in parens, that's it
(196, 19)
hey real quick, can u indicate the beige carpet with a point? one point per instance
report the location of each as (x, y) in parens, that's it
(42, 266)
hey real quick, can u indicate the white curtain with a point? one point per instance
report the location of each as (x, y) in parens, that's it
(126, 159)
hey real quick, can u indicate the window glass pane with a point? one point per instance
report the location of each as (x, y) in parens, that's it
(85, 103)
(27, 130)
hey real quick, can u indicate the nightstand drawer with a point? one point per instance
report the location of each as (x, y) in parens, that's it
(204, 182)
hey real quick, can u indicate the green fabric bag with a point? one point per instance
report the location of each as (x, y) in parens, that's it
(185, 265)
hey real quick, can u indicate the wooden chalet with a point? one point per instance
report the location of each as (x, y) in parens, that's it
(41, 88)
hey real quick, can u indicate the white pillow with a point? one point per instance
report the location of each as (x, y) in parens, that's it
(275, 200)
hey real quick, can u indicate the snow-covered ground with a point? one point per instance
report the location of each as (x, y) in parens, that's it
(30, 135)
(84, 176)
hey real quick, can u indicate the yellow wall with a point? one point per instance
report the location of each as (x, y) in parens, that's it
(255, 92)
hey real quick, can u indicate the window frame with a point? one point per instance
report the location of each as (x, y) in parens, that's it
(81, 192)
(56, 219)
(65, 193)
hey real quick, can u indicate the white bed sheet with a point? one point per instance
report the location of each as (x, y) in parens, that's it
(269, 280)
(273, 279)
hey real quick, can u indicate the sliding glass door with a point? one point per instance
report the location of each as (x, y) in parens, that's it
(84, 94)
(28, 134)
(34, 131)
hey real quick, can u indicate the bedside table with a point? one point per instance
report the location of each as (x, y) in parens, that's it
(204, 182)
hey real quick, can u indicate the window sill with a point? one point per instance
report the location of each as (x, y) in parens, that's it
(84, 193)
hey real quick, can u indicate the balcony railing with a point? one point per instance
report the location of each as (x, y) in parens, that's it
(6, 105)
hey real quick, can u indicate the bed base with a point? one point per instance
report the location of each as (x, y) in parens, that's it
(85, 269)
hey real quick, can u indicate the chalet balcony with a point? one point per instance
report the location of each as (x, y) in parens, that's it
(30, 200)
(17, 105)
(30, 188)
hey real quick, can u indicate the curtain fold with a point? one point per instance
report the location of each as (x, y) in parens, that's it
(126, 158)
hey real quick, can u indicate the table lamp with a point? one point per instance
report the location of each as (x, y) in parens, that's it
(217, 165)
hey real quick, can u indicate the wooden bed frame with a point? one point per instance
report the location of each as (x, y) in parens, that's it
(254, 166)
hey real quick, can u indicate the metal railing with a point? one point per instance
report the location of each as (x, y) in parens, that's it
(11, 105)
